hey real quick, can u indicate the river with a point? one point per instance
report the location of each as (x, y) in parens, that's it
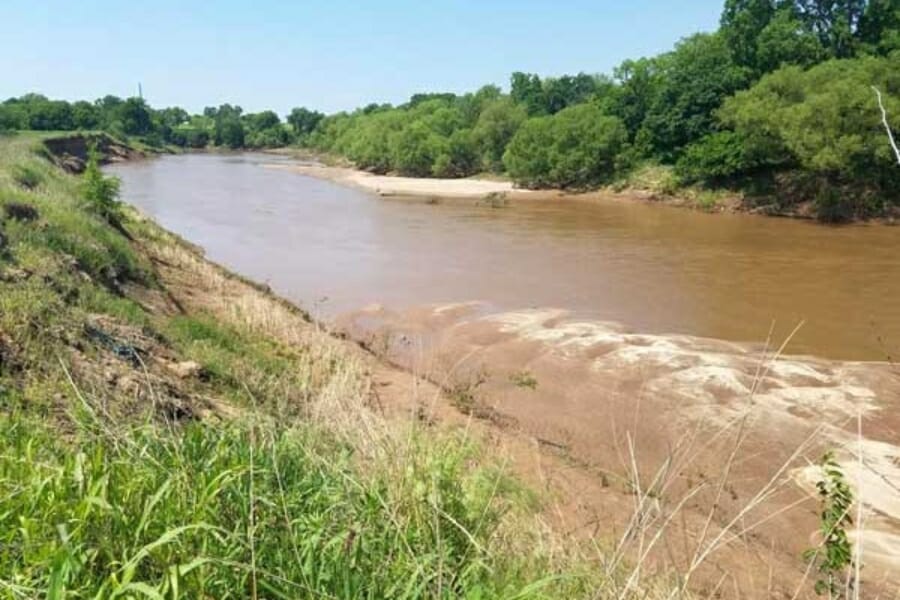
(654, 269)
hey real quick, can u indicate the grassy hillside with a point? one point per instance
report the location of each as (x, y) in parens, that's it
(169, 430)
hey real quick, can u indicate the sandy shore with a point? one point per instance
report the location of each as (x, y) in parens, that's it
(385, 185)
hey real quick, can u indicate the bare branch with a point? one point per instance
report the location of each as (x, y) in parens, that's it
(884, 119)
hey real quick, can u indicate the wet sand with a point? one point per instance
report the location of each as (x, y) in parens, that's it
(701, 421)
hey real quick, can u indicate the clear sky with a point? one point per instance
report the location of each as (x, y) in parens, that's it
(327, 55)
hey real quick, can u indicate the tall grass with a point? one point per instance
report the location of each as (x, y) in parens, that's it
(206, 512)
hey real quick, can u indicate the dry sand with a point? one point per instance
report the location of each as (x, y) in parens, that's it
(385, 185)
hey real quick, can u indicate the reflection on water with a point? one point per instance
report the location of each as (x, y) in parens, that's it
(652, 268)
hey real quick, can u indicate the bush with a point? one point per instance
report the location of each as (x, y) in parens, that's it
(415, 149)
(27, 176)
(717, 157)
(577, 147)
(101, 192)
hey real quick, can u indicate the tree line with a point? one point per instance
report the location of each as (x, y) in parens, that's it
(225, 126)
(778, 102)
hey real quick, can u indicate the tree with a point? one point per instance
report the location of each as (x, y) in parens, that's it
(415, 148)
(496, 126)
(575, 148)
(370, 147)
(835, 22)
(565, 91)
(639, 85)
(304, 121)
(229, 130)
(820, 129)
(85, 115)
(694, 79)
(879, 27)
(174, 116)
(786, 41)
(741, 25)
(526, 89)
(135, 117)
(13, 115)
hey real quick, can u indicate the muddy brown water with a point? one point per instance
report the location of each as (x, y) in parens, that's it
(654, 269)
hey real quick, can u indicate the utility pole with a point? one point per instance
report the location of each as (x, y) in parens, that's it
(140, 91)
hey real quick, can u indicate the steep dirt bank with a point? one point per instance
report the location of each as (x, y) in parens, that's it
(70, 152)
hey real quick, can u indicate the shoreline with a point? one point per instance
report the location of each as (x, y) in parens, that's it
(495, 190)
(389, 185)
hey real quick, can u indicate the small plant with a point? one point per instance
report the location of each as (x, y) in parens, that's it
(101, 192)
(497, 200)
(524, 379)
(706, 201)
(26, 177)
(834, 558)
(464, 394)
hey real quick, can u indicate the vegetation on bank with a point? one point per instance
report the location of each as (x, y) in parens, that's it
(150, 448)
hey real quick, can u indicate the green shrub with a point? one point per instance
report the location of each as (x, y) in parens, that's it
(101, 193)
(577, 147)
(717, 157)
(27, 176)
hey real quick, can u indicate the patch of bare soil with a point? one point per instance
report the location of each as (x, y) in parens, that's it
(70, 152)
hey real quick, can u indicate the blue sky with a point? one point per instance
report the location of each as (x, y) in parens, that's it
(327, 55)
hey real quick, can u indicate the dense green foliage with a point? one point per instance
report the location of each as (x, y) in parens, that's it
(227, 125)
(576, 147)
(820, 130)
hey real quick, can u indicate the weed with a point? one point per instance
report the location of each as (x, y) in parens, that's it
(101, 192)
(834, 559)
(524, 379)
(27, 176)
(706, 200)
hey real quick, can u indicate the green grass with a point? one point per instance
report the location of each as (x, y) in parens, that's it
(205, 512)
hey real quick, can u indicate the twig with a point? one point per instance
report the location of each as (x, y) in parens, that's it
(884, 119)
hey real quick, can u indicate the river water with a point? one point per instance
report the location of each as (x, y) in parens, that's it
(654, 269)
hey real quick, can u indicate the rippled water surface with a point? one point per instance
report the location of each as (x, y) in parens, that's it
(652, 268)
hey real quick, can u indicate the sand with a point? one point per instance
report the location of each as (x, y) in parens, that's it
(385, 185)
